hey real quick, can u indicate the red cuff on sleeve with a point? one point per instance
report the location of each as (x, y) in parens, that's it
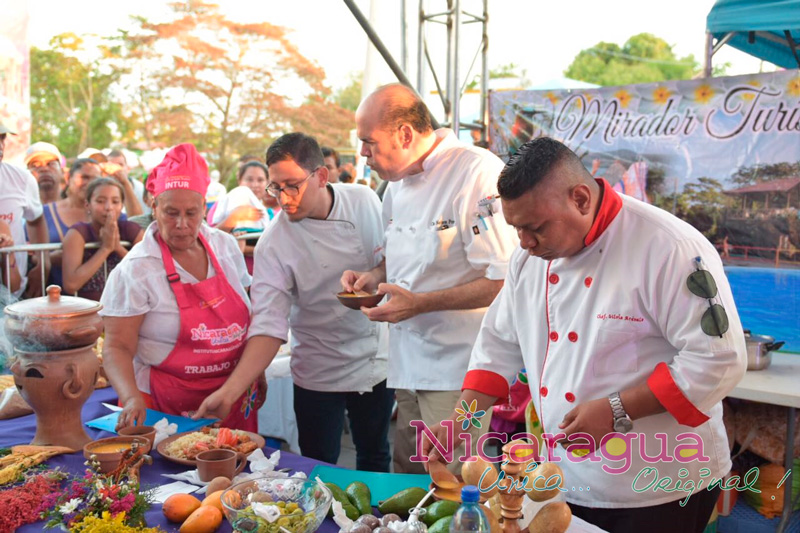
(672, 397)
(487, 382)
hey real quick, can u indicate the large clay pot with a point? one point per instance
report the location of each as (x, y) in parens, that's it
(56, 385)
(53, 322)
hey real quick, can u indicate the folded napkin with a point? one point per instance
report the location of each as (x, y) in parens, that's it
(164, 429)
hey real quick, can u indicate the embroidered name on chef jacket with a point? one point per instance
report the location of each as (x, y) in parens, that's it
(442, 224)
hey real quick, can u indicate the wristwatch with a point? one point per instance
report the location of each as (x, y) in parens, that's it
(622, 422)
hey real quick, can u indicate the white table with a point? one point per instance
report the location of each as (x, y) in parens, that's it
(777, 385)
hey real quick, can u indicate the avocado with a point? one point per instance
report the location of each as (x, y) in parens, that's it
(438, 510)
(340, 496)
(401, 502)
(441, 526)
(360, 496)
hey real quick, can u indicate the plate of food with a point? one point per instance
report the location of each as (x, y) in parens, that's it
(182, 448)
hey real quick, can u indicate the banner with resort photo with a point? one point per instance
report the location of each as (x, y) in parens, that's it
(654, 140)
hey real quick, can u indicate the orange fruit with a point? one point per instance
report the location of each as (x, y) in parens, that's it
(205, 519)
(178, 507)
(214, 499)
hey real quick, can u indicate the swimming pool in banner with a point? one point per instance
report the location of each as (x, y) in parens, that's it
(768, 300)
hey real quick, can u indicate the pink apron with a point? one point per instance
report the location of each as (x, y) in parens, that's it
(214, 321)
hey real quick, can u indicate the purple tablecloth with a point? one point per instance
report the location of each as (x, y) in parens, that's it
(21, 431)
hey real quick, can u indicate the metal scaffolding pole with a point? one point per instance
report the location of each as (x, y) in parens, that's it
(449, 91)
(376, 41)
(454, 82)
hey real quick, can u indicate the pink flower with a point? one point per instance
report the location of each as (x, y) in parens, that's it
(124, 504)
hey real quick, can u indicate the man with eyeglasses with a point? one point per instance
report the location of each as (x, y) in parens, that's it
(19, 200)
(338, 356)
(623, 317)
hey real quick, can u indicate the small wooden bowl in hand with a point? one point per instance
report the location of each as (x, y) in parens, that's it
(357, 300)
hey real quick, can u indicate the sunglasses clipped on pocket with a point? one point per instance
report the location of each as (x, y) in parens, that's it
(714, 321)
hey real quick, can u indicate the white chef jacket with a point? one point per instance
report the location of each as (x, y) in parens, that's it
(19, 201)
(139, 286)
(435, 240)
(297, 273)
(614, 315)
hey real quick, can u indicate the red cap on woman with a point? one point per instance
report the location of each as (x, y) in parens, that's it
(182, 168)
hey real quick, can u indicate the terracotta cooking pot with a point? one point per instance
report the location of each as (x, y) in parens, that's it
(56, 385)
(53, 322)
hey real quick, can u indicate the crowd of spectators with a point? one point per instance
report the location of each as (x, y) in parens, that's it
(99, 198)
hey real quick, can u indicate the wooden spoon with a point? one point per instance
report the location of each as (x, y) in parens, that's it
(441, 476)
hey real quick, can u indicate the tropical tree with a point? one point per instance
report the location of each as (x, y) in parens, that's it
(349, 96)
(643, 58)
(233, 85)
(72, 105)
(759, 173)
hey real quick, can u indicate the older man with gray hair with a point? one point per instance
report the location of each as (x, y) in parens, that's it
(447, 249)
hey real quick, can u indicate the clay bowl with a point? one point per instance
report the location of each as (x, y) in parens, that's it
(357, 301)
(109, 451)
(146, 432)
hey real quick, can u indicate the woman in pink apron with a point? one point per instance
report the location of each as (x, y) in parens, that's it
(212, 316)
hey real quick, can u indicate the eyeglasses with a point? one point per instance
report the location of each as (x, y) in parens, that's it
(714, 321)
(36, 166)
(290, 190)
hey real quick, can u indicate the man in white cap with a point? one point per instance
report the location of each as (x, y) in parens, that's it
(19, 198)
(44, 162)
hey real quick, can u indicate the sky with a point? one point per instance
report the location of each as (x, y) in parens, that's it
(541, 37)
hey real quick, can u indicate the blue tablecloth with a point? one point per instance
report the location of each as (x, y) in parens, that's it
(21, 430)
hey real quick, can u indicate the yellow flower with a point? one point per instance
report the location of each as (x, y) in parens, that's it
(703, 93)
(624, 97)
(661, 95)
(579, 101)
(793, 87)
(750, 96)
(552, 97)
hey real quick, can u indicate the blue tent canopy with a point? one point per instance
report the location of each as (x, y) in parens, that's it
(758, 28)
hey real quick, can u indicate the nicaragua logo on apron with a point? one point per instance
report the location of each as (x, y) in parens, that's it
(219, 336)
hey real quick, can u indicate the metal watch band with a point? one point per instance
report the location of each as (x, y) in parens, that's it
(617, 410)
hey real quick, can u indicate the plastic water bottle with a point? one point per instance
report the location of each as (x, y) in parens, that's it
(470, 516)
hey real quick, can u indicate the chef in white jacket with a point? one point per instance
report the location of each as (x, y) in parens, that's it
(338, 355)
(447, 250)
(624, 319)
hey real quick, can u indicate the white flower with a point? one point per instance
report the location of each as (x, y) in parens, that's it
(70, 506)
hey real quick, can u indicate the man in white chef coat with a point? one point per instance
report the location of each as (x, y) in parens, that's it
(338, 355)
(623, 317)
(447, 249)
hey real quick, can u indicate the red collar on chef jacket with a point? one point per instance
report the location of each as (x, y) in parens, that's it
(609, 208)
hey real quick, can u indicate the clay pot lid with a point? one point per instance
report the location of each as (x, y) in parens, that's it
(54, 305)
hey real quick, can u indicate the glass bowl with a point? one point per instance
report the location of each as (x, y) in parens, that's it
(302, 504)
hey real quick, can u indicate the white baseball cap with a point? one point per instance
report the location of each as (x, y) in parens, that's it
(44, 150)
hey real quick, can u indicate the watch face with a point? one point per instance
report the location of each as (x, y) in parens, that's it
(623, 425)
